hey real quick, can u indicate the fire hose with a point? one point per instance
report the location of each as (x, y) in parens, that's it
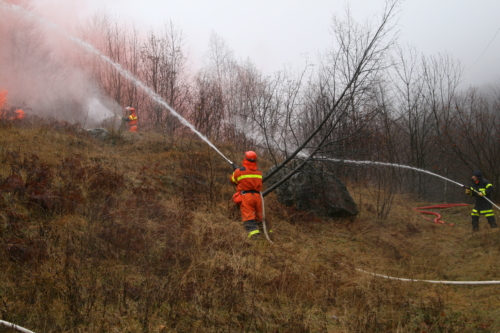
(481, 194)
(264, 219)
(14, 326)
(430, 281)
(438, 216)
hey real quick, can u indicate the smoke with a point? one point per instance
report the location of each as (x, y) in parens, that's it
(61, 12)
(40, 68)
(102, 112)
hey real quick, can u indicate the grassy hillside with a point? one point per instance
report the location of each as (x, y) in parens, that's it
(138, 234)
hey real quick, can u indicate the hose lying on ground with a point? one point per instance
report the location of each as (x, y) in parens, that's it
(430, 281)
(438, 218)
(14, 326)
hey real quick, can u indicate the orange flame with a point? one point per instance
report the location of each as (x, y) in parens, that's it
(19, 115)
(3, 98)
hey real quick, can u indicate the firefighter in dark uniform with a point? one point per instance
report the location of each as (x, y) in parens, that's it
(481, 189)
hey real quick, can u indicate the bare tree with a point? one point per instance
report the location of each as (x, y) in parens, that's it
(473, 136)
(163, 69)
(215, 89)
(414, 118)
(442, 75)
(344, 79)
(268, 108)
(208, 115)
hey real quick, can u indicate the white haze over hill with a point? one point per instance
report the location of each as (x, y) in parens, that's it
(37, 68)
(275, 33)
(37, 72)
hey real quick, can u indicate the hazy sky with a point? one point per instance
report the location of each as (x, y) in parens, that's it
(273, 33)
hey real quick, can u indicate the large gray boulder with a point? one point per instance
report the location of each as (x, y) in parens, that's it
(98, 133)
(315, 190)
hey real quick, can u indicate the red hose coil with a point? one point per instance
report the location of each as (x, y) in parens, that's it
(438, 216)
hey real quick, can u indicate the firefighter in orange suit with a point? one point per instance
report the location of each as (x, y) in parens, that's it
(248, 181)
(131, 119)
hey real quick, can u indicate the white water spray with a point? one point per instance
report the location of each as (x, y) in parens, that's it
(398, 166)
(97, 110)
(391, 165)
(157, 98)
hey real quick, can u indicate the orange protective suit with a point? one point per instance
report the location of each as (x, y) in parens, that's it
(248, 181)
(132, 121)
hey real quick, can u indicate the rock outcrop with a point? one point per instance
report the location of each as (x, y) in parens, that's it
(98, 133)
(315, 190)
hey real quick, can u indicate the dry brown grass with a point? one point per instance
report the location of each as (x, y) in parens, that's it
(139, 234)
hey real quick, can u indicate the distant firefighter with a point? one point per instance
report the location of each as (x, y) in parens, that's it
(131, 119)
(481, 189)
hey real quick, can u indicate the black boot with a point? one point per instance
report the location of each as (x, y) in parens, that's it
(475, 223)
(492, 221)
(252, 228)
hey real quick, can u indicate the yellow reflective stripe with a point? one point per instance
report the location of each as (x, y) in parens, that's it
(474, 210)
(251, 233)
(132, 118)
(474, 214)
(249, 176)
(488, 215)
(486, 211)
(232, 179)
(488, 185)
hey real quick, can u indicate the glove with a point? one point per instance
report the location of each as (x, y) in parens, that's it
(467, 191)
(124, 118)
(480, 194)
(234, 166)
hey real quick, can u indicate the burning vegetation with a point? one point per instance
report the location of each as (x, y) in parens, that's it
(9, 113)
(137, 232)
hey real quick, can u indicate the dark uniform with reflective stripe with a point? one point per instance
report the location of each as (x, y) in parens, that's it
(482, 206)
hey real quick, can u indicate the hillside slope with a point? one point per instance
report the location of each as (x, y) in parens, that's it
(138, 234)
